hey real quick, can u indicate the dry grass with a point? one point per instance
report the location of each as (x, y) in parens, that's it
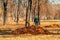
(21, 24)
(35, 37)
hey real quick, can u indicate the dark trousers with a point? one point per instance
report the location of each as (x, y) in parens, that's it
(36, 24)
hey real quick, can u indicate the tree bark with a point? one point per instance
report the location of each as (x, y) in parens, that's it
(5, 11)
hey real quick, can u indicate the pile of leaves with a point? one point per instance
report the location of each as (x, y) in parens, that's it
(29, 30)
(53, 25)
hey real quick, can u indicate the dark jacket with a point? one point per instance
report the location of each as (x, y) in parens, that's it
(36, 20)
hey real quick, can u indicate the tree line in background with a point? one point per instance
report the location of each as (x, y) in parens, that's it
(10, 5)
(27, 9)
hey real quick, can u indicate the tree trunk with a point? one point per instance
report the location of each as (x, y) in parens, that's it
(39, 12)
(30, 4)
(5, 12)
(27, 23)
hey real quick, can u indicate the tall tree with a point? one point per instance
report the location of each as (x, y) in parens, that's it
(17, 10)
(30, 4)
(5, 11)
(27, 15)
(27, 23)
(39, 11)
(18, 3)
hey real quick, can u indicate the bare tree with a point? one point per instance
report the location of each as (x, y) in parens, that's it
(27, 15)
(5, 11)
(39, 11)
(30, 4)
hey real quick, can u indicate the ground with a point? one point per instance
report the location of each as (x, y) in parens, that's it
(30, 37)
(33, 37)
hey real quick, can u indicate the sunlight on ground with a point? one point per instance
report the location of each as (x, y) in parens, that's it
(37, 37)
(15, 25)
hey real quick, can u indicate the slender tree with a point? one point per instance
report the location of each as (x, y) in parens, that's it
(30, 4)
(48, 13)
(19, 2)
(5, 11)
(39, 11)
(17, 9)
(27, 16)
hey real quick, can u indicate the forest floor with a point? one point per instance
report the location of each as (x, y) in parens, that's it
(43, 23)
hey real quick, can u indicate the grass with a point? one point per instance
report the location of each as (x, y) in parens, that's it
(35, 37)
